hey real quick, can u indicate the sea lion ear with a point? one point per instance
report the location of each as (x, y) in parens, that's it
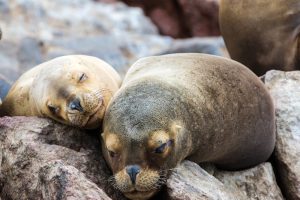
(176, 129)
(102, 136)
(53, 109)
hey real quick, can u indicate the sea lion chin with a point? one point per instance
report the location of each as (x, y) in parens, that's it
(74, 90)
(185, 106)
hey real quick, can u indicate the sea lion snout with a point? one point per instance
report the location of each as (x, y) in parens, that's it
(132, 171)
(76, 105)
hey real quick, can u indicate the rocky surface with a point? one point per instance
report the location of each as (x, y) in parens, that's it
(41, 159)
(35, 31)
(256, 183)
(190, 181)
(182, 18)
(284, 87)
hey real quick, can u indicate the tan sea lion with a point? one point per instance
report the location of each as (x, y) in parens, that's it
(262, 34)
(73, 90)
(185, 106)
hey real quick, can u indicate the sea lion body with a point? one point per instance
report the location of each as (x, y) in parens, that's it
(262, 35)
(73, 90)
(185, 106)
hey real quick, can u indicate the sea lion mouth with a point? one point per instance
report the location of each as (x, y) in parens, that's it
(139, 194)
(94, 116)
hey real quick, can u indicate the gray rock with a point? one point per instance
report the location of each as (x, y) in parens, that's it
(255, 183)
(58, 181)
(41, 159)
(4, 86)
(29, 53)
(9, 65)
(190, 182)
(35, 31)
(209, 45)
(285, 90)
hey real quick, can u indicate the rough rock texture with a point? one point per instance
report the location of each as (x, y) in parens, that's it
(255, 183)
(190, 181)
(285, 90)
(182, 18)
(41, 159)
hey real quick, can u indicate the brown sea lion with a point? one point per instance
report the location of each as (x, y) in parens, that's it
(73, 90)
(262, 34)
(185, 106)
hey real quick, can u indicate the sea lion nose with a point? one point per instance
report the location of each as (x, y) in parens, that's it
(132, 171)
(75, 105)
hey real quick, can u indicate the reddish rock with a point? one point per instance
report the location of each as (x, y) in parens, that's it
(42, 159)
(182, 18)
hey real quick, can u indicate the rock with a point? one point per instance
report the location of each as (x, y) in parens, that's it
(35, 31)
(29, 53)
(4, 86)
(118, 51)
(285, 90)
(182, 18)
(202, 17)
(255, 183)
(190, 182)
(209, 45)
(41, 159)
(66, 182)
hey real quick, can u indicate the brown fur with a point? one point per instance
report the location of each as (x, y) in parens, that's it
(262, 35)
(47, 90)
(200, 107)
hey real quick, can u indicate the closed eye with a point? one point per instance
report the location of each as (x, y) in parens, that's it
(163, 147)
(82, 77)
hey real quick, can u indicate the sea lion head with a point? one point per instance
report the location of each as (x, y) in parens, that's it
(141, 143)
(75, 91)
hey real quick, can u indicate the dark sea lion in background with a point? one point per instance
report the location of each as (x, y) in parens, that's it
(185, 106)
(73, 90)
(262, 34)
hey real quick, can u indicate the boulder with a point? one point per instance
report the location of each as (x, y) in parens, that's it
(41, 159)
(285, 90)
(256, 183)
(190, 181)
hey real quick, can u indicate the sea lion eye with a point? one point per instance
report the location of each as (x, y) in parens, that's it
(82, 77)
(163, 147)
(111, 153)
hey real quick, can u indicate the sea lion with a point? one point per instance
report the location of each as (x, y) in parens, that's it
(262, 35)
(185, 106)
(73, 90)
